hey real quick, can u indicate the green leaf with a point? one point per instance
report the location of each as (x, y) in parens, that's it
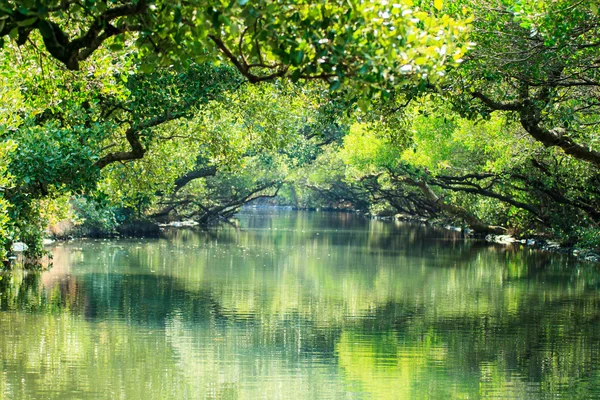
(216, 23)
(14, 32)
(146, 68)
(27, 22)
(363, 104)
(178, 17)
(297, 57)
(296, 75)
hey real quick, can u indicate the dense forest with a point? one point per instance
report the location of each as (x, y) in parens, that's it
(122, 114)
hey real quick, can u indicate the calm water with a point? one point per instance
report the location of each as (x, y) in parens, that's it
(301, 306)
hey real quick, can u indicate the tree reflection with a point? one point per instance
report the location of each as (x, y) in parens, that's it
(384, 311)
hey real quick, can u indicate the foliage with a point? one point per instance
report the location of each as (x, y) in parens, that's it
(6, 150)
(533, 62)
(376, 44)
(95, 217)
(487, 174)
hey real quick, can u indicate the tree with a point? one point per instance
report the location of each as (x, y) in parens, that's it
(428, 162)
(537, 62)
(233, 151)
(69, 128)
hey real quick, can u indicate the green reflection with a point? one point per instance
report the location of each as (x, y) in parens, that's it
(301, 305)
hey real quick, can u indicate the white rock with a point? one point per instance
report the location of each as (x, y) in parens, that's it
(19, 247)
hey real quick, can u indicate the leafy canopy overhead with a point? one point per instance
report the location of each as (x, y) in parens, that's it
(378, 44)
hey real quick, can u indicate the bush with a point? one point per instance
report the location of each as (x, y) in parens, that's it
(94, 217)
(589, 238)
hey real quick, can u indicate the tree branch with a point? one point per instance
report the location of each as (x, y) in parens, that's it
(192, 175)
(498, 106)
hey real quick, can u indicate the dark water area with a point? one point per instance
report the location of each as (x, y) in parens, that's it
(295, 305)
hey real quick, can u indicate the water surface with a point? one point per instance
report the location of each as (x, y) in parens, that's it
(301, 306)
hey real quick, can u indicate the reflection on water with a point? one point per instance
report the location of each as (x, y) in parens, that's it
(301, 305)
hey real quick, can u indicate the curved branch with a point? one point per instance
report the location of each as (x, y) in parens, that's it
(137, 151)
(71, 51)
(556, 139)
(498, 106)
(530, 121)
(133, 137)
(192, 175)
(243, 67)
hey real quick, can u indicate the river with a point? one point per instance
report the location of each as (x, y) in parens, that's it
(294, 305)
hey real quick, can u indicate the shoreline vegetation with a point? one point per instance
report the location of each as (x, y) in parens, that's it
(148, 229)
(118, 117)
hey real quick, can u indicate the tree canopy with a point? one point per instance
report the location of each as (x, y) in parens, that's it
(377, 44)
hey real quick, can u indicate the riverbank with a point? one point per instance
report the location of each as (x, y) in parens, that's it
(537, 242)
(546, 245)
(145, 228)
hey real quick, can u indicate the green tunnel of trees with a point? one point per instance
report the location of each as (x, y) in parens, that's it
(481, 113)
